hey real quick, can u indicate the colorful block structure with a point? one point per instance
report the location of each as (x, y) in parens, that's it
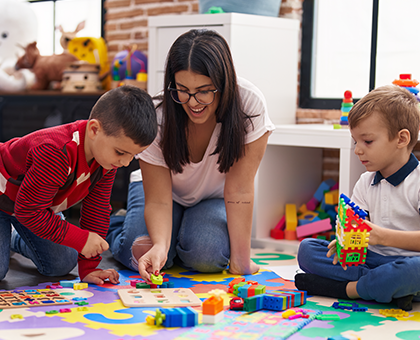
(275, 300)
(409, 84)
(352, 233)
(346, 106)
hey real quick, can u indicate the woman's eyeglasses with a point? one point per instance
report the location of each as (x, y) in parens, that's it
(183, 97)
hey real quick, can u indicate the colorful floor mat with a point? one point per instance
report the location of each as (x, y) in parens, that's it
(106, 318)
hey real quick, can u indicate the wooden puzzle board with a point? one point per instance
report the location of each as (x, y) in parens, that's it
(31, 298)
(159, 297)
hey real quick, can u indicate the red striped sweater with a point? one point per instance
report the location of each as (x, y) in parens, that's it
(46, 172)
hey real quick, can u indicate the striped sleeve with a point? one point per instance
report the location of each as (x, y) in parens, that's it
(47, 172)
(95, 213)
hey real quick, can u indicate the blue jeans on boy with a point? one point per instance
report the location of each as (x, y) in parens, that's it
(381, 278)
(200, 239)
(50, 258)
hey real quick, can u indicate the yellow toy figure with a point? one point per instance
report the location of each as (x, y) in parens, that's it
(94, 51)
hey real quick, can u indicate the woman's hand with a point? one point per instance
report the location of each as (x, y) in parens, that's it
(152, 262)
(237, 269)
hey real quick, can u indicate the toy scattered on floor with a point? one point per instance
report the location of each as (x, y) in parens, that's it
(346, 106)
(353, 306)
(159, 297)
(31, 298)
(329, 317)
(395, 313)
(80, 285)
(247, 289)
(174, 317)
(352, 233)
(275, 300)
(212, 307)
(236, 303)
(316, 218)
(409, 84)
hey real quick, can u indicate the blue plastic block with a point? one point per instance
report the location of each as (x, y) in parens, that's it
(243, 291)
(324, 186)
(179, 317)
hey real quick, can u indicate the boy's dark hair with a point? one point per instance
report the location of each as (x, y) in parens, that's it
(207, 53)
(128, 110)
(398, 107)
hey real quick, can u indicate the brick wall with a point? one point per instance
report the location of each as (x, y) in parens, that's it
(126, 20)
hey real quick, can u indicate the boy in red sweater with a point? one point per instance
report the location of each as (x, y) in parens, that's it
(50, 170)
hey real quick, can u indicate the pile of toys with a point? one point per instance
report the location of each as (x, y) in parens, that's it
(316, 218)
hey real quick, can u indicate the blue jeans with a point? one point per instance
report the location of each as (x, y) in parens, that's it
(50, 258)
(200, 239)
(381, 278)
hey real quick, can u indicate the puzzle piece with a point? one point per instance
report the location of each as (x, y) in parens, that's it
(31, 298)
(159, 297)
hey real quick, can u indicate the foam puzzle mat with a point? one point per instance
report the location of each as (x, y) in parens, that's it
(106, 318)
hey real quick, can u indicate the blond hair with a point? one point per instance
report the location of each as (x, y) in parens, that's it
(397, 106)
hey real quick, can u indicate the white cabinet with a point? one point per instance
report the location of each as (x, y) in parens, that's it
(264, 50)
(291, 171)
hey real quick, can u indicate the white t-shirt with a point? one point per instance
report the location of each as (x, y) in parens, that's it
(392, 204)
(202, 180)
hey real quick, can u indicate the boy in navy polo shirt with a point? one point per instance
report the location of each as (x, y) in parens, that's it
(385, 127)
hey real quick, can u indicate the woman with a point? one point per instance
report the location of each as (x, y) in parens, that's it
(192, 203)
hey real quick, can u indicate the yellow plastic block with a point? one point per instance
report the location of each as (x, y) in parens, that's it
(331, 197)
(291, 217)
(79, 286)
(302, 209)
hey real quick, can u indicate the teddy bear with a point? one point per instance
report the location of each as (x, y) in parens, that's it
(47, 69)
(18, 25)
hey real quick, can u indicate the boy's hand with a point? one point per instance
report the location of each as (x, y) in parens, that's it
(333, 251)
(152, 262)
(95, 245)
(98, 277)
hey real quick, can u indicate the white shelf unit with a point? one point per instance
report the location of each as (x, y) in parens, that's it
(291, 171)
(264, 50)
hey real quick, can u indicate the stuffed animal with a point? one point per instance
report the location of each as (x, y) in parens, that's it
(81, 76)
(18, 25)
(46, 68)
(67, 36)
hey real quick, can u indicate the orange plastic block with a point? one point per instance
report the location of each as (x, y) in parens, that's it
(290, 235)
(234, 282)
(212, 306)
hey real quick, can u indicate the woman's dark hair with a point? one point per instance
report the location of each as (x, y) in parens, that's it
(207, 53)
